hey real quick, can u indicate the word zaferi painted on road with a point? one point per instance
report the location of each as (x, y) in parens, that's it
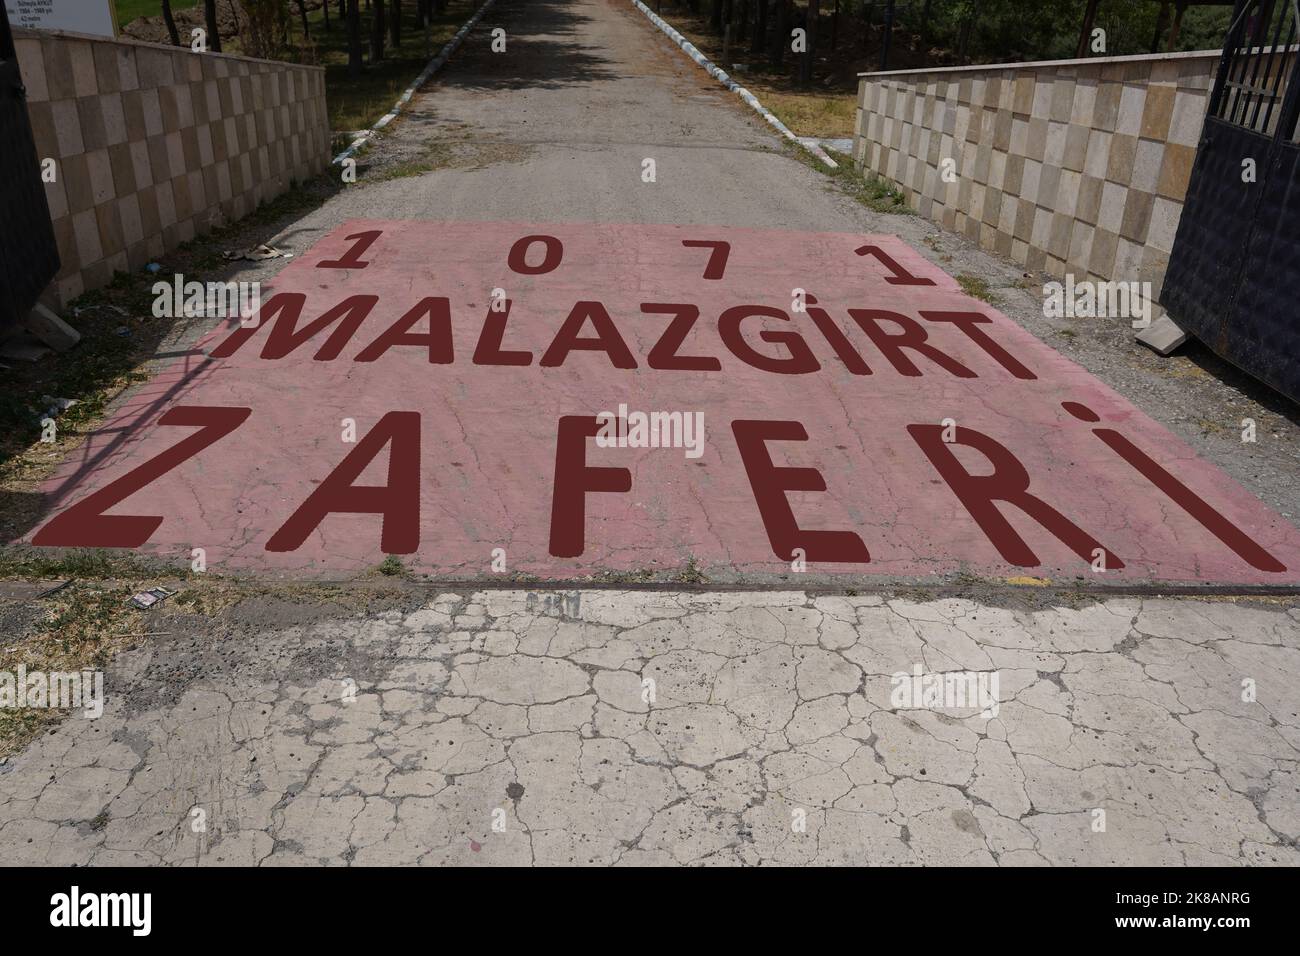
(452, 391)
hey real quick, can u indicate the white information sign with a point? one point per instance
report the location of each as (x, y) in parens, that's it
(77, 16)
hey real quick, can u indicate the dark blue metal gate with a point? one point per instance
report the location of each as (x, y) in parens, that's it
(1234, 272)
(29, 257)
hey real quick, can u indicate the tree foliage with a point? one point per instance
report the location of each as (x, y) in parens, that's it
(1019, 30)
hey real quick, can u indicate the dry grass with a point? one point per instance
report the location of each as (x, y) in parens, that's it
(828, 116)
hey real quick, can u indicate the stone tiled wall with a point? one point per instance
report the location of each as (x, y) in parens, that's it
(156, 144)
(1073, 166)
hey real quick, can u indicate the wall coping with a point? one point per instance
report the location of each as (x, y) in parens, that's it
(24, 33)
(1039, 64)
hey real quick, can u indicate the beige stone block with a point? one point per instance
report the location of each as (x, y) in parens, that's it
(119, 161)
(212, 98)
(1089, 203)
(1076, 147)
(1132, 103)
(204, 134)
(107, 77)
(1158, 111)
(1085, 101)
(224, 189)
(1137, 215)
(997, 169)
(175, 154)
(1146, 165)
(1019, 136)
(1165, 214)
(109, 222)
(1067, 194)
(1105, 111)
(1042, 105)
(184, 105)
(1007, 215)
(58, 69)
(166, 204)
(153, 122)
(85, 229)
(1097, 158)
(1029, 179)
(1110, 212)
(31, 66)
(67, 127)
(155, 68)
(140, 164)
(81, 60)
(56, 198)
(100, 173)
(110, 108)
(1062, 99)
(1080, 247)
(128, 76)
(129, 212)
(1186, 118)
(1176, 171)
(1101, 260)
(1013, 177)
(76, 181)
(44, 136)
(1058, 239)
(1128, 260)
(1123, 153)
(1155, 262)
(1049, 183)
(1054, 153)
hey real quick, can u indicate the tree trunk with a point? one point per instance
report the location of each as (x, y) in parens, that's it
(395, 24)
(729, 33)
(760, 28)
(377, 31)
(171, 22)
(810, 25)
(210, 25)
(354, 38)
(782, 38)
(715, 16)
(325, 10)
(887, 36)
(302, 13)
(963, 43)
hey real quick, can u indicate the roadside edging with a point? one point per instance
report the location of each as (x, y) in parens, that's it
(432, 67)
(721, 75)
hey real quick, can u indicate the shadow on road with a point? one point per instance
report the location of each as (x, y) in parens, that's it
(544, 50)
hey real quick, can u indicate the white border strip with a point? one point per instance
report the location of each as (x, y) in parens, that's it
(693, 52)
(432, 67)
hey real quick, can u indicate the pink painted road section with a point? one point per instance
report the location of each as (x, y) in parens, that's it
(894, 426)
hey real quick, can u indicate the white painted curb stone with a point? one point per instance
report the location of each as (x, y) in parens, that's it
(432, 67)
(721, 76)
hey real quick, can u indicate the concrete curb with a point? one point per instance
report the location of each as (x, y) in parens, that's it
(721, 76)
(432, 67)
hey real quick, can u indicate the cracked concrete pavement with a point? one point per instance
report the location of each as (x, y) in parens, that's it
(651, 727)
